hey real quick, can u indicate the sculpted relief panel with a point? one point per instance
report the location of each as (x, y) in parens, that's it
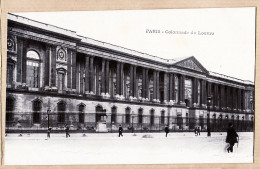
(190, 65)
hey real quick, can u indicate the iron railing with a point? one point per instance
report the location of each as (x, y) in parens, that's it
(90, 122)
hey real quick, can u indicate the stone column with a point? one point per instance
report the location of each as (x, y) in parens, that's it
(81, 64)
(195, 92)
(154, 85)
(135, 83)
(234, 99)
(221, 106)
(86, 74)
(92, 82)
(228, 97)
(171, 88)
(147, 82)
(239, 99)
(73, 80)
(97, 79)
(19, 60)
(183, 89)
(216, 96)
(131, 81)
(77, 77)
(24, 60)
(180, 89)
(103, 78)
(47, 66)
(122, 79)
(158, 86)
(203, 93)
(243, 99)
(117, 79)
(166, 82)
(107, 78)
(143, 83)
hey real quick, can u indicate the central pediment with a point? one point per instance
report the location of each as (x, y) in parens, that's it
(191, 63)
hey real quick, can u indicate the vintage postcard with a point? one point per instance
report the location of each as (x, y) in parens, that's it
(165, 86)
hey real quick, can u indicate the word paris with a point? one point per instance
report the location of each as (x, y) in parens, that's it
(178, 32)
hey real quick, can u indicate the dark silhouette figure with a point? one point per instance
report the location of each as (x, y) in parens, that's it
(120, 130)
(231, 137)
(198, 131)
(166, 129)
(49, 133)
(67, 131)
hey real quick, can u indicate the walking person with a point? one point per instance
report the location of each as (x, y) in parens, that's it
(195, 131)
(231, 137)
(49, 132)
(166, 129)
(67, 131)
(198, 131)
(120, 130)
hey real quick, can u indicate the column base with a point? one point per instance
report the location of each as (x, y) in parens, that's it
(182, 103)
(121, 97)
(165, 102)
(107, 95)
(203, 105)
(171, 102)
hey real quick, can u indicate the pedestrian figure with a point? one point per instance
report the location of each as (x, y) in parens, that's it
(231, 137)
(166, 129)
(198, 131)
(49, 133)
(195, 131)
(67, 131)
(120, 130)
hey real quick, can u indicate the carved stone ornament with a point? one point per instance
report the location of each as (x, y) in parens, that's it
(10, 44)
(190, 65)
(61, 55)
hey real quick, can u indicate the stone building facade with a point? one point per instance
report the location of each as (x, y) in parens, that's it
(53, 68)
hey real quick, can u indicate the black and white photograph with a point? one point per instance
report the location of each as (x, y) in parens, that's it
(162, 86)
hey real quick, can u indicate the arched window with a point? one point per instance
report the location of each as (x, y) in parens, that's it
(37, 106)
(113, 114)
(127, 115)
(81, 113)
(61, 112)
(162, 116)
(32, 71)
(152, 117)
(140, 116)
(9, 109)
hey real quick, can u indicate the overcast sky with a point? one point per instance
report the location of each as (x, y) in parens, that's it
(230, 51)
